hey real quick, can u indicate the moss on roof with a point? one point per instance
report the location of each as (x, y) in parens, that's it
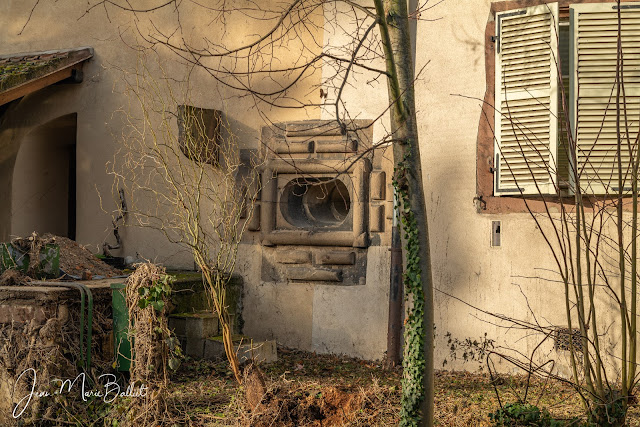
(15, 73)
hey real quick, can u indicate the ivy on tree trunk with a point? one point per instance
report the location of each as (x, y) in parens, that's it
(417, 383)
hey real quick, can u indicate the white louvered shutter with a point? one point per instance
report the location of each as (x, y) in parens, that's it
(593, 93)
(526, 94)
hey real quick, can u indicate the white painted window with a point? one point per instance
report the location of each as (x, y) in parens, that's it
(538, 59)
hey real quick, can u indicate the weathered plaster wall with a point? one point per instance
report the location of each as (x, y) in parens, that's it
(327, 318)
(451, 48)
(335, 319)
(505, 280)
(471, 277)
(99, 97)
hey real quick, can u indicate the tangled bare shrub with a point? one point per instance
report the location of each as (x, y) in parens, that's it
(154, 350)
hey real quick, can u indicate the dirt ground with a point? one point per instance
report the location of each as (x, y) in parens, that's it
(306, 389)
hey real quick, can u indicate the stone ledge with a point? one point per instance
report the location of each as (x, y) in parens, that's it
(194, 325)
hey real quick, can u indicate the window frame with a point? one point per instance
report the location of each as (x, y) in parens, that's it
(486, 200)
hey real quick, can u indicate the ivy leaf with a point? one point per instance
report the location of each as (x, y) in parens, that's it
(158, 305)
(172, 343)
(174, 363)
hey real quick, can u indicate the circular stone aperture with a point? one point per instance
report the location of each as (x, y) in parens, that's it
(315, 202)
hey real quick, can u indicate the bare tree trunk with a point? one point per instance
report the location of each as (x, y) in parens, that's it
(394, 28)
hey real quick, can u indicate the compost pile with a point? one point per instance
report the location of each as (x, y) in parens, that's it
(75, 260)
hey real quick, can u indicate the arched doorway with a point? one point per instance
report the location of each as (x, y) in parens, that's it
(44, 180)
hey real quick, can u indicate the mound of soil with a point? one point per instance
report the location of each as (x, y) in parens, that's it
(77, 260)
(254, 386)
(331, 406)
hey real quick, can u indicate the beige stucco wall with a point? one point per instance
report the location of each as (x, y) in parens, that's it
(99, 97)
(352, 320)
(505, 280)
(471, 278)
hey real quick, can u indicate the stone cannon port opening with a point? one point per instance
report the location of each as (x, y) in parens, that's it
(315, 202)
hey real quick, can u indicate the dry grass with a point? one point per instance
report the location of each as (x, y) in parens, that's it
(303, 389)
(466, 399)
(303, 386)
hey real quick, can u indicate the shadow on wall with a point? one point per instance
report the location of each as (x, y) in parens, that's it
(43, 190)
